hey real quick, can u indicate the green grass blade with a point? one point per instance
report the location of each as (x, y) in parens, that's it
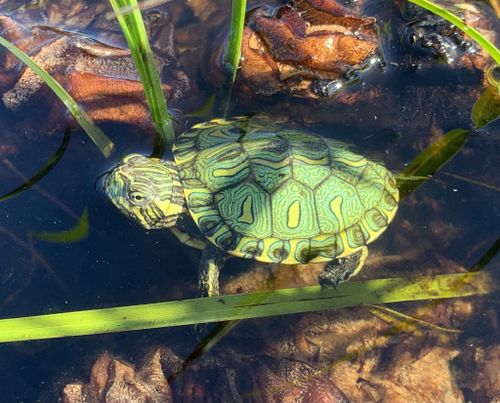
(487, 107)
(134, 31)
(79, 232)
(96, 135)
(52, 162)
(430, 160)
(455, 20)
(233, 54)
(242, 306)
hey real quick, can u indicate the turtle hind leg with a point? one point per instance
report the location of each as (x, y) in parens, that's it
(340, 270)
(212, 261)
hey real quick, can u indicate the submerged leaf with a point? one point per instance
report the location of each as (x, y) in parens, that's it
(205, 110)
(43, 171)
(232, 55)
(487, 107)
(243, 306)
(102, 142)
(404, 321)
(430, 160)
(75, 234)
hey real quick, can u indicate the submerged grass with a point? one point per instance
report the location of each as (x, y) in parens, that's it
(430, 160)
(52, 162)
(79, 232)
(233, 54)
(133, 28)
(242, 306)
(96, 135)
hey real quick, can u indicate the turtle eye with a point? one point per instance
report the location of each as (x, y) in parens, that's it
(138, 198)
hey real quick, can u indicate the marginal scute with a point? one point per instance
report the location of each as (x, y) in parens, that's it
(279, 195)
(356, 237)
(250, 248)
(278, 251)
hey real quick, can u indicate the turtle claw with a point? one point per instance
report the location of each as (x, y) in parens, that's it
(341, 270)
(332, 276)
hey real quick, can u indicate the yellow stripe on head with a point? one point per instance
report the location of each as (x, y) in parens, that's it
(146, 189)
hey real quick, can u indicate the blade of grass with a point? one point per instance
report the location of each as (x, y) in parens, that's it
(487, 107)
(484, 43)
(96, 135)
(403, 320)
(43, 171)
(430, 160)
(472, 181)
(134, 31)
(233, 52)
(79, 232)
(242, 306)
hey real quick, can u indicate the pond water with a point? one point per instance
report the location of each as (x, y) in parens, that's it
(396, 110)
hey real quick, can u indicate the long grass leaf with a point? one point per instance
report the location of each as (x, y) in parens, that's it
(233, 54)
(242, 306)
(43, 171)
(430, 160)
(484, 43)
(134, 31)
(487, 107)
(75, 234)
(96, 135)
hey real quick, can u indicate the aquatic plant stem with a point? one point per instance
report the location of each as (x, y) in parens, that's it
(133, 28)
(232, 56)
(96, 135)
(484, 43)
(52, 162)
(243, 306)
(430, 160)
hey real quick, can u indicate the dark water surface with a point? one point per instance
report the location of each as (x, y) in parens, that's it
(448, 223)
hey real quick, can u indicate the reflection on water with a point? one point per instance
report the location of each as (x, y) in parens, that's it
(446, 225)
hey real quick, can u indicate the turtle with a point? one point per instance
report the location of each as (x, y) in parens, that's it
(249, 188)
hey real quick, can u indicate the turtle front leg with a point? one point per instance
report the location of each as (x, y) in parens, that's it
(212, 261)
(340, 270)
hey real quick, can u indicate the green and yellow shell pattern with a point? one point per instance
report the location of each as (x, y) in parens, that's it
(280, 195)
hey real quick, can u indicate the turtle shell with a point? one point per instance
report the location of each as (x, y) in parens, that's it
(280, 195)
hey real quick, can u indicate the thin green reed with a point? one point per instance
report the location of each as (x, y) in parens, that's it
(96, 135)
(135, 33)
(243, 306)
(232, 56)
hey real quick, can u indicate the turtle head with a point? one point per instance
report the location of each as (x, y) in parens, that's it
(146, 189)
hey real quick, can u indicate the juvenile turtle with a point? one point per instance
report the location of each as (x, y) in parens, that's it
(259, 191)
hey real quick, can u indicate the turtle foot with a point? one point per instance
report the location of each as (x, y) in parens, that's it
(341, 270)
